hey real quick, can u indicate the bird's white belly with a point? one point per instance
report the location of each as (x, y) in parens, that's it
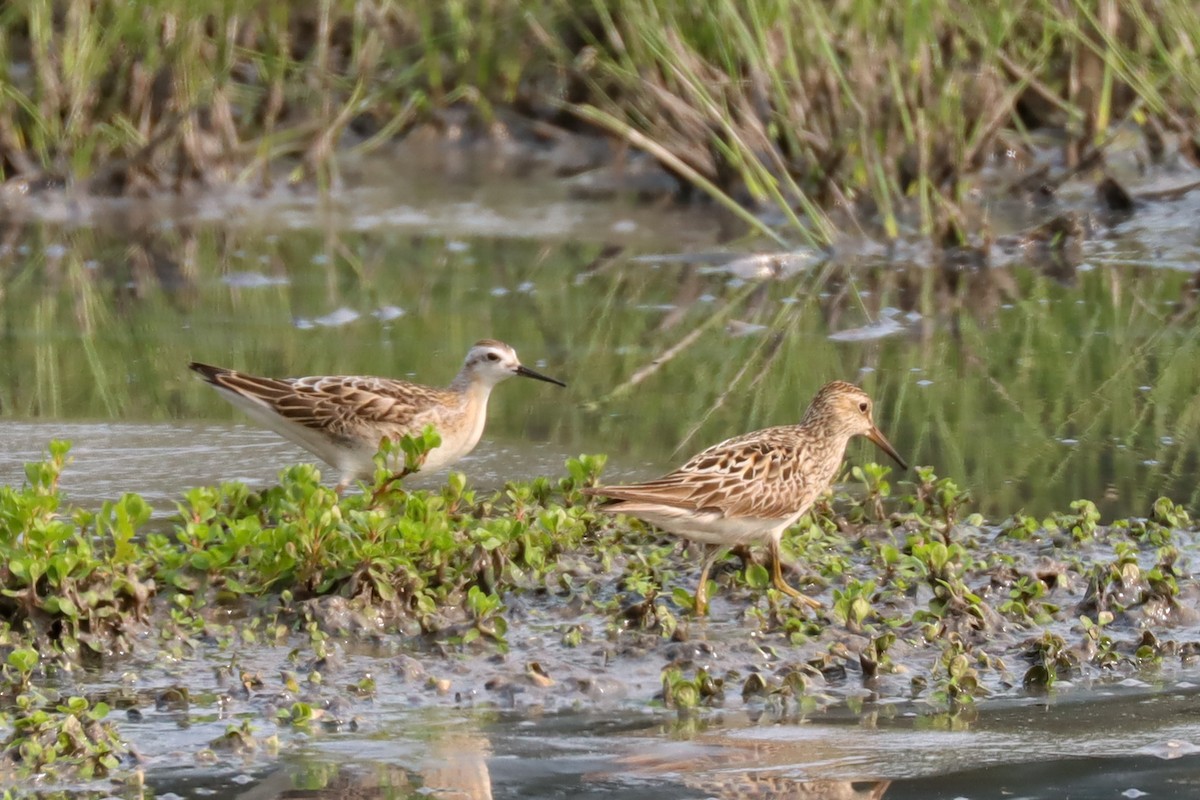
(444, 455)
(359, 462)
(714, 528)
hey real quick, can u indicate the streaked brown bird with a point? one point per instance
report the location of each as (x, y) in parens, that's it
(342, 419)
(751, 488)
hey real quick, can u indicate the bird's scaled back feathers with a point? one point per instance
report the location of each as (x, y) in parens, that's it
(337, 406)
(771, 460)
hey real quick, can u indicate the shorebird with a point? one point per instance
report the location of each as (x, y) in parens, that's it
(751, 488)
(343, 419)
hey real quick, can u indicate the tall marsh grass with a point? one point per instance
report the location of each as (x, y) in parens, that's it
(843, 115)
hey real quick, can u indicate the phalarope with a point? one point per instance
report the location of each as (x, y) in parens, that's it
(342, 420)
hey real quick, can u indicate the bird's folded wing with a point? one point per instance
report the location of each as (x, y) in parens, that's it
(339, 405)
(748, 480)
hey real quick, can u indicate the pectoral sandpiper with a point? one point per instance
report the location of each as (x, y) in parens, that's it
(751, 488)
(343, 419)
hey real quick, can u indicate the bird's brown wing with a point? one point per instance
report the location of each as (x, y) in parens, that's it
(757, 475)
(339, 406)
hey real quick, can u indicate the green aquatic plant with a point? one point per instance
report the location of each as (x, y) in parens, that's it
(239, 739)
(19, 669)
(955, 676)
(298, 715)
(685, 694)
(873, 477)
(97, 573)
(1050, 659)
(415, 449)
(936, 503)
(853, 604)
(1081, 524)
(875, 659)
(485, 610)
(1021, 527)
(1025, 601)
(1103, 648)
(69, 740)
(1169, 514)
(85, 571)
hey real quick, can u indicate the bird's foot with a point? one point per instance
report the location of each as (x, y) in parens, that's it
(779, 583)
(816, 605)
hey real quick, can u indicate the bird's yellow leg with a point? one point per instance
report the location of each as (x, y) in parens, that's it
(781, 584)
(711, 552)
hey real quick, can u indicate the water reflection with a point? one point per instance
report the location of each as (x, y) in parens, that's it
(725, 768)
(1030, 389)
(768, 786)
(457, 768)
(1011, 749)
(454, 767)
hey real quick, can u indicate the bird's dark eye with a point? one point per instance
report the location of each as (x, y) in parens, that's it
(493, 357)
(864, 407)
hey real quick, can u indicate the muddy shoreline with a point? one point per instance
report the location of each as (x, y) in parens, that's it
(546, 608)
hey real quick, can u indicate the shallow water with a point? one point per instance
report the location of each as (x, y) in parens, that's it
(1031, 386)
(157, 460)
(1115, 742)
(1028, 390)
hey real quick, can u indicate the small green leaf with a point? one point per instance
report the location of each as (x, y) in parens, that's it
(757, 576)
(23, 659)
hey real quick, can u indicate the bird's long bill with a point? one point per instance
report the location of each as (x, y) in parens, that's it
(526, 372)
(879, 439)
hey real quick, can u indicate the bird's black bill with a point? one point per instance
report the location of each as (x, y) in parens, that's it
(526, 372)
(881, 441)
